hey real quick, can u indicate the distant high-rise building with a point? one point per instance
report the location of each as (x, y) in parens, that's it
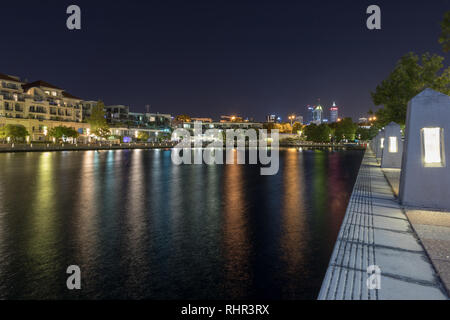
(271, 118)
(309, 114)
(334, 115)
(317, 114)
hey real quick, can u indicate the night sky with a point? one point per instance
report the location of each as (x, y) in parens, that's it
(212, 58)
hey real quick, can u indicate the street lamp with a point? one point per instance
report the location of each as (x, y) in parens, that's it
(292, 117)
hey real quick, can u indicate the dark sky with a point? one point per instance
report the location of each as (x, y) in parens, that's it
(209, 58)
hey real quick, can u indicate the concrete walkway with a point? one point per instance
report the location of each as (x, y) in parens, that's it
(375, 231)
(433, 229)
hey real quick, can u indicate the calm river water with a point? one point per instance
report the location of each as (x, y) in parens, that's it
(140, 227)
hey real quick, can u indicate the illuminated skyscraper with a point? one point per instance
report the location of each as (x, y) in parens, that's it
(334, 113)
(309, 114)
(317, 114)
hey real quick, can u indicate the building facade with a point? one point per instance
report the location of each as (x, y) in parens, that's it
(334, 113)
(39, 106)
(317, 114)
(309, 114)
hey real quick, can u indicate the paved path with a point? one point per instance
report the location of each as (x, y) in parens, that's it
(433, 229)
(375, 231)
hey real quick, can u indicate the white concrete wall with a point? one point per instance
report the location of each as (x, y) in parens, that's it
(378, 148)
(391, 159)
(420, 185)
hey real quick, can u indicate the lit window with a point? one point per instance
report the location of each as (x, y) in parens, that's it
(431, 139)
(393, 147)
(382, 143)
(54, 93)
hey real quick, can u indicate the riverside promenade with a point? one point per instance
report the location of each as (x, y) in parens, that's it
(48, 147)
(376, 232)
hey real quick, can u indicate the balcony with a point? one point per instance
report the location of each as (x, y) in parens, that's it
(9, 86)
(37, 110)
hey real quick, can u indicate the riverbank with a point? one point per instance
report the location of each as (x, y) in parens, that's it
(50, 147)
(376, 232)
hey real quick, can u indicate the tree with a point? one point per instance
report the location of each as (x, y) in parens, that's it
(62, 131)
(410, 76)
(143, 136)
(102, 132)
(345, 129)
(15, 132)
(296, 127)
(323, 133)
(444, 39)
(269, 126)
(318, 133)
(97, 121)
(283, 127)
(366, 134)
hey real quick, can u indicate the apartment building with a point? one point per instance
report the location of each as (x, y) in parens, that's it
(39, 106)
(120, 115)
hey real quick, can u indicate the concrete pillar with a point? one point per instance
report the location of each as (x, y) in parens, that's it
(379, 143)
(393, 146)
(425, 175)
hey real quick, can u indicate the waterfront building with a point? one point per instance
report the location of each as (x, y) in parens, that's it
(334, 113)
(117, 113)
(37, 100)
(120, 116)
(39, 106)
(221, 125)
(231, 119)
(202, 119)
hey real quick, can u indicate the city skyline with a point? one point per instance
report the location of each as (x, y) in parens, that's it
(231, 58)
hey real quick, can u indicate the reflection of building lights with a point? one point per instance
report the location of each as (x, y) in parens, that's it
(393, 147)
(382, 143)
(432, 146)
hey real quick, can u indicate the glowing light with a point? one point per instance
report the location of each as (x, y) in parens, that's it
(382, 143)
(45, 131)
(393, 146)
(432, 146)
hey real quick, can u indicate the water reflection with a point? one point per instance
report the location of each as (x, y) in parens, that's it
(295, 233)
(236, 246)
(140, 227)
